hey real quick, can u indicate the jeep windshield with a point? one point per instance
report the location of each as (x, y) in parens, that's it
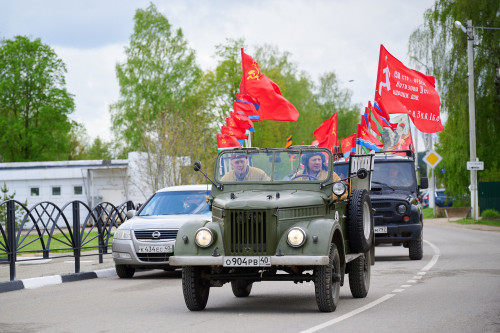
(273, 165)
(394, 175)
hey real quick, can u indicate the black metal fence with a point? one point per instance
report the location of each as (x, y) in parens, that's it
(47, 229)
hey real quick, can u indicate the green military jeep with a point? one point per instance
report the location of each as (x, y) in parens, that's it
(280, 215)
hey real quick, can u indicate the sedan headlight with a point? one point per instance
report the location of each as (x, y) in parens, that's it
(296, 237)
(204, 237)
(401, 209)
(122, 234)
(339, 188)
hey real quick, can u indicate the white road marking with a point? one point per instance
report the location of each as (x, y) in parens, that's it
(349, 314)
(411, 281)
(384, 298)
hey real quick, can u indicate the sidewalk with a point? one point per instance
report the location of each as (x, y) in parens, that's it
(449, 223)
(36, 273)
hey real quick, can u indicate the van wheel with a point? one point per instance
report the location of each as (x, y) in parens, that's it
(360, 221)
(359, 275)
(195, 288)
(241, 288)
(124, 271)
(327, 282)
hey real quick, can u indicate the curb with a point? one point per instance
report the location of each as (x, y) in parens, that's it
(38, 282)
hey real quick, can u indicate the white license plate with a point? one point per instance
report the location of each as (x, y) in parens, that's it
(156, 249)
(253, 261)
(380, 230)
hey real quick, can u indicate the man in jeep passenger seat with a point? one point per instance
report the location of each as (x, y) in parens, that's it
(242, 171)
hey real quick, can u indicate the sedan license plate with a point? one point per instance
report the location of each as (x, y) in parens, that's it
(156, 249)
(380, 230)
(253, 261)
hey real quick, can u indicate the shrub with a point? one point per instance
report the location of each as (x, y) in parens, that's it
(490, 213)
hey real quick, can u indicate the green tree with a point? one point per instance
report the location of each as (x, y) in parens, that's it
(161, 109)
(440, 49)
(159, 76)
(34, 103)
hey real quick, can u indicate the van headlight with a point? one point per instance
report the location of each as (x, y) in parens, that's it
(339, 188)
(296, 237)
(204, 237)
(122, 234)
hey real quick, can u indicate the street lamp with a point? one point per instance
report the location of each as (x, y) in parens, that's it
(472, 115)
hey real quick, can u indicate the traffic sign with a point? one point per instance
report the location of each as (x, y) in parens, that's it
(475, 165)
(432, 158)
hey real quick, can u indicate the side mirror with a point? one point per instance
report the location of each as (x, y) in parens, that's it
(197, 166)
(362, 173)
(130, 214)
(424, 183)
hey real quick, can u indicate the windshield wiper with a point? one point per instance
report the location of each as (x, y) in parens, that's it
(384, 184)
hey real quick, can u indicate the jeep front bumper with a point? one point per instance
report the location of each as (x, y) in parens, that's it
(275, 260)
(397, 233)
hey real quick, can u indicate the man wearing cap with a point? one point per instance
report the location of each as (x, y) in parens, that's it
(315, 168)
(242, 171)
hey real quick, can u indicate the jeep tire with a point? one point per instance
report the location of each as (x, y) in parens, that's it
(124, 271)
(241, 288)
(359, 221)
(415, 249)
(195, 288)
(359, 275)
(327, 282)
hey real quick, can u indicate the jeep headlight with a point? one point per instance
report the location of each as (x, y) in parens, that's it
(296, 237)
(339, 188)
(204, 237)
(122, 234)
(401, 209)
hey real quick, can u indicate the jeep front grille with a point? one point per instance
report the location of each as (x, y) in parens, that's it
(247, 232)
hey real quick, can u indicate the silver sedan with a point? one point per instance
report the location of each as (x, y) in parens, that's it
(147, 239)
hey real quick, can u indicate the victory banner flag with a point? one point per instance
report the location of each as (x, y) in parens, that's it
(272, 106)
(327, 128)
(366, 139)
(238, 133)
(227, 141)
(247, 109)
(400, 89)
(348, 145)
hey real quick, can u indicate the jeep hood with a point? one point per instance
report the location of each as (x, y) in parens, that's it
(269, 199)
(385, 195)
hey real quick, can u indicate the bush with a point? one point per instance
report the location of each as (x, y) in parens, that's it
(490, 213)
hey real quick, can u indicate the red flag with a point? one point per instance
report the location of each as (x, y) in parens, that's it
(238, 133)
(227, 141)
(247, 109)
(403, 90)
(366, 139)
(348, 145)
(242, 121)
(326, 133)
(273, 106)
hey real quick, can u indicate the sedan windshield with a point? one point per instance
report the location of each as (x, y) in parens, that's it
(177, 202)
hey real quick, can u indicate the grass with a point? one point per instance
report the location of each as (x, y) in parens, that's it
(60, 243)
(495, 223)
(429, 214)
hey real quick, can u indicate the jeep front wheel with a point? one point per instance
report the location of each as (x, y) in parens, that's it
(241, 288)
(327, 282)
(195, 288)
(416, 250)
(359, 275)
(359, 221)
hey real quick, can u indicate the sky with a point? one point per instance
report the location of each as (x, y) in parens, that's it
(342, 36)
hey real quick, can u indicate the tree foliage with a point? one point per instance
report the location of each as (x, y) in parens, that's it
(160, 110)
(34, 103)
(441, 49)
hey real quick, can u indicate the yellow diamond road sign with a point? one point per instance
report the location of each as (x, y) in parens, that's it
(432, 158)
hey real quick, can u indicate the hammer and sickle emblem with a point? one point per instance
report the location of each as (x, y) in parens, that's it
(387, 83)
(253, 74)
